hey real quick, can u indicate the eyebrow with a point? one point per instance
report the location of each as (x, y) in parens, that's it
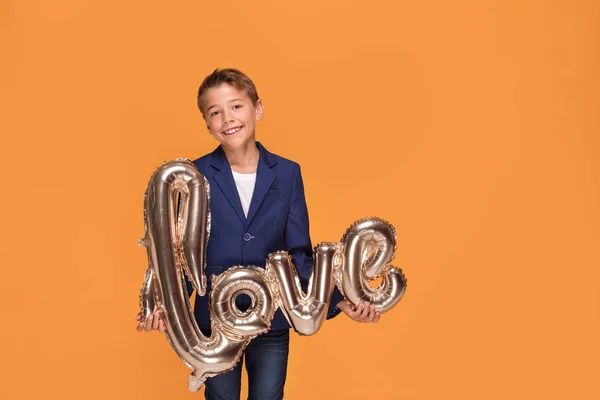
(214, 105)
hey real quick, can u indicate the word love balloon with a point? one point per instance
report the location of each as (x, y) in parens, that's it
(177, 229)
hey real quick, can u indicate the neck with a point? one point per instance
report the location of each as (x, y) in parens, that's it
(243, 160)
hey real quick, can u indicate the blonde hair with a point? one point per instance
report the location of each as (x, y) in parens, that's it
(231, 76)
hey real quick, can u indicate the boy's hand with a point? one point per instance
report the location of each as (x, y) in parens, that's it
(365, 312)
(154, 322)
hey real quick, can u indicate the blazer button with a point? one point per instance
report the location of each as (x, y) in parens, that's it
(247, 237)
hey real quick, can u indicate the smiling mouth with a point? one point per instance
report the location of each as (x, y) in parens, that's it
(232, 130)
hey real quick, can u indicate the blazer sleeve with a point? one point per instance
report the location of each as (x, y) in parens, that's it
(297, 240)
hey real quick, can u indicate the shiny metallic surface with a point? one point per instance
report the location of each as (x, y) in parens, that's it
(305, 312)
(241, 280)
(369, 246)
(176, 239)
(148, 295)
(177, 228)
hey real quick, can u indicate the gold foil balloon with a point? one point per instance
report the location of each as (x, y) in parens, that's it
(233, 282)
(305, 312)
(176, 237)
(369, 246)
(177, 229)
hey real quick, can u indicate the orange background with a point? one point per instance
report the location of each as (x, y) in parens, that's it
(472, 126)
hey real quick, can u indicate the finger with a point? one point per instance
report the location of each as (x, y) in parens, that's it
(371, 317)
(377, 316)
(357, 315)
(140, 327)
(354, 315)
(149, 321)
(366, 311)
(372, 314)
(156, 321)
(161, 326)
(139, 316)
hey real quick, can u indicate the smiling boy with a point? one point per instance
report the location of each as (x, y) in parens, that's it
(257, 207)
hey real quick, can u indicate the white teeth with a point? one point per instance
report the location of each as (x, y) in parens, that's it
(232, 131)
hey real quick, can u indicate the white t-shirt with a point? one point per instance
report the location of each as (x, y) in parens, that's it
(245, 186)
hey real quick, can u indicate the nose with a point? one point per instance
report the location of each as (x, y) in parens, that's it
(227, 116)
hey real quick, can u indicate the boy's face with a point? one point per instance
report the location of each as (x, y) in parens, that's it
(230, 116)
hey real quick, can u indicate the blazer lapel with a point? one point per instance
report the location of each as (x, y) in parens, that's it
(224, 179)
(264, 179)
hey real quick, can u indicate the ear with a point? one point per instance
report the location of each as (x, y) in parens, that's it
(260, 110)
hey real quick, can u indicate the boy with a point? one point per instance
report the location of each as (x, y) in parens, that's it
(257, 207)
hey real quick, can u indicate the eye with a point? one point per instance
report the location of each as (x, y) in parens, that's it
(212, 114)
(235, 107)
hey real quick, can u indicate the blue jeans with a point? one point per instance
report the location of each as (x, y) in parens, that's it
(266, 363)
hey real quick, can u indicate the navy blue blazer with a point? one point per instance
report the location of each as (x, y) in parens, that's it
(277, 220)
